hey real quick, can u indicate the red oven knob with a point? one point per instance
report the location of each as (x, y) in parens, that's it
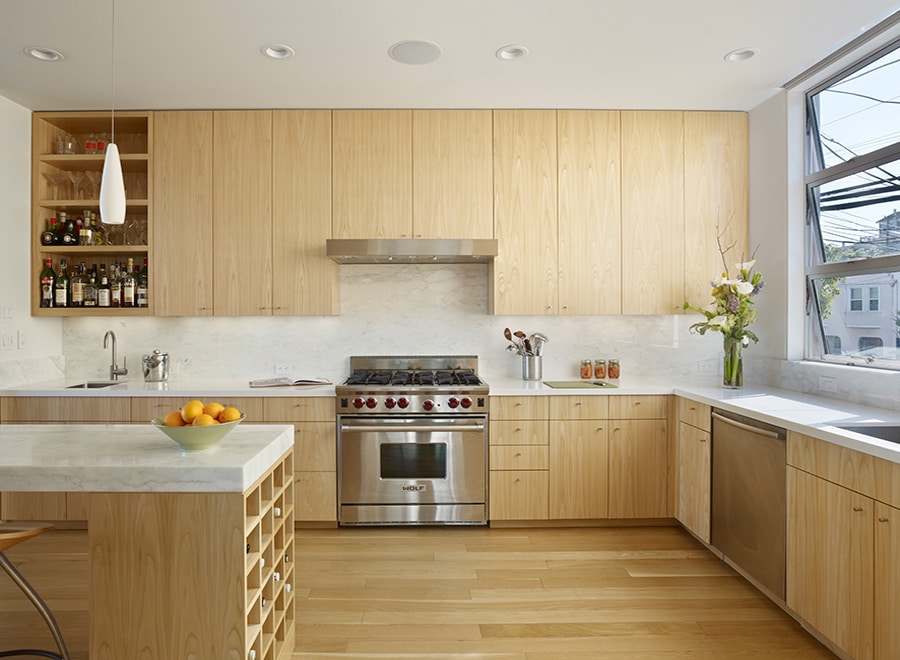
(403, 402)
(428, 404)
(466, 402)
(453, 402)
(389, 403)
(371, 402)
(358, 402)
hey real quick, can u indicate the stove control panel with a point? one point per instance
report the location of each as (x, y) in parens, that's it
(400, 404)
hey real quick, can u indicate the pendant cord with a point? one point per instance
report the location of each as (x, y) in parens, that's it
(113, 73)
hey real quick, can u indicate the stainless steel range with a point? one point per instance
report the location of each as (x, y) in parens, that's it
(412, 441)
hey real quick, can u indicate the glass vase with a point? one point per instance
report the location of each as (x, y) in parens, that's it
(734, 365)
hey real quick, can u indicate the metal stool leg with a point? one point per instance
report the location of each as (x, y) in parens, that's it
(44, 611)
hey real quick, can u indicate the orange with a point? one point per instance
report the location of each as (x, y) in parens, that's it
(190, 410)
(203, 420)
(213, 408)
(229, 414)
(173, 419)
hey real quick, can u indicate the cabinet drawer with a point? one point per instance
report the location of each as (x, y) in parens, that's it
(314, 446)
(637, 407)
(518, 433)
(143, 409)
(65, 409)
(695, 414)
(299, 409)
(519, 495)
(579, 407)
(519, 407)
(524, 457)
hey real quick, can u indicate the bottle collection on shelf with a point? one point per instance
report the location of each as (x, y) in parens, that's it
(87, 230)
(122, 286)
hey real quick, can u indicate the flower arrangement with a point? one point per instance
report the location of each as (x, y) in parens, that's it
(731, 312)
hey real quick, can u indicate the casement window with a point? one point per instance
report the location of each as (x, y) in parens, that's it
(853, 213)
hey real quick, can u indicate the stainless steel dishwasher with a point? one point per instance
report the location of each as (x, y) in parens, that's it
(748, 497)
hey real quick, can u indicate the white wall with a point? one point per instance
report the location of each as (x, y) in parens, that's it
(30, 348)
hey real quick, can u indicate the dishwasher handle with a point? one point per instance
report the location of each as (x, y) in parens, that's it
(752, 428)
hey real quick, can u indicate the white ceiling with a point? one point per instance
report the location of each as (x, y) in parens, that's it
(583, 53)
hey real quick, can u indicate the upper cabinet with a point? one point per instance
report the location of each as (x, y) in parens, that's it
(67, 161)
(525, 272)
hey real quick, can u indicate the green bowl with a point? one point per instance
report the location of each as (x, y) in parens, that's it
(192, 438)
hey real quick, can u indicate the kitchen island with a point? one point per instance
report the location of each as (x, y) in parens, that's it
(190, 553)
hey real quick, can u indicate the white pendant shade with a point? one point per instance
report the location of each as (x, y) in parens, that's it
(112, 188)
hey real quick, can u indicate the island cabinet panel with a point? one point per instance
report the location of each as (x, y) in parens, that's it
(315, 474)
(145, 408)
(181, 250)
(525, 273)
(61, 410)
(590, 212)
(652, 212)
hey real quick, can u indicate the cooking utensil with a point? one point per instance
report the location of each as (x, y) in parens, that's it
(538, 340)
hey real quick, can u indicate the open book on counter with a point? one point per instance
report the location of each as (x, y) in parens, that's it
(284, 381)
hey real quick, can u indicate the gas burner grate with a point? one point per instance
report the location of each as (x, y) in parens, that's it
(413, 378)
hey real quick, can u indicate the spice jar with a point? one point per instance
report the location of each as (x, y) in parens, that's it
(587, 370)
(599, 369)
(613, 370)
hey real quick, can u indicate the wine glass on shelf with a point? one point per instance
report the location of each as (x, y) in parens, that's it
(54, 180)
(76, 178)
(94, 181)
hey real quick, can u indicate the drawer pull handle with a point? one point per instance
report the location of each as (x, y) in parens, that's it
(518, 454)
(702, 439)
(857, 508)
(883, 520)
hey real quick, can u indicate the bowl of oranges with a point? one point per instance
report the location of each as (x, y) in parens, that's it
(197, 425)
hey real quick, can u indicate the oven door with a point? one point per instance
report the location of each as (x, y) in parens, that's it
(415, 470)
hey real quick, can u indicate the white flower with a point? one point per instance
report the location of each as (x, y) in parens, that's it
(747, 265)
(744, 288)
(745, 340)
(718, 320)
(711, 308)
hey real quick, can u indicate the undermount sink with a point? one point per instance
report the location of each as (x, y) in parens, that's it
(93, 385)
(889, 432)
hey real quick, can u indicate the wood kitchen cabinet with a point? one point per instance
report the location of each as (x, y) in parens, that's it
(315, 471)
(519, 459)
(653, 219)
(843, 545)
(638, 457)
(525, 273)
(183, 235)
(693, 458)
(578, 457)
(590, 212)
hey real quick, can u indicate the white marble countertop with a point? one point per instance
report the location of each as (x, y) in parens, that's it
(133, 458)
(176, 387)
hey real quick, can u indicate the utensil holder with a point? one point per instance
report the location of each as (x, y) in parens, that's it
(532, 367)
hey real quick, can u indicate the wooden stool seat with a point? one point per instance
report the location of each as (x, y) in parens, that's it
(12, 534)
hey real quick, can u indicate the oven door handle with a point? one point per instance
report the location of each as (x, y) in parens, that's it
(414, 428)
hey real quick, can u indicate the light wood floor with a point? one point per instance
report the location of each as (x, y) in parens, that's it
(473, 593)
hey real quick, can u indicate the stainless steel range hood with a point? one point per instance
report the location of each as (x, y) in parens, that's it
(411, 250)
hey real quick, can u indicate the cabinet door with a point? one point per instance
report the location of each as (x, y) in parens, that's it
(305, 281)
(652, 212)
(830, 560)
(693, 470)
(518, 494)
(590, 212)
(716, 202)
(182, 243)
(526, 272)
(33, 506)
(887, 579)
(638, 468)
(242, 189)
(65, 409)
(452, 174)
(578, 468)
(372, 174)
(315, 497)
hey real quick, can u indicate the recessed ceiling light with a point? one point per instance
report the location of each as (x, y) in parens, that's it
(741, 54)
(415, 52)
(277, 51)
(43, 54)
(512, 52)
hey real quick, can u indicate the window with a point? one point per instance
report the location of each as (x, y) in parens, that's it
(853, 213)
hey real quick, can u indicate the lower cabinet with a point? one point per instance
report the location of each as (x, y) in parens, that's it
(693, 460)
(579, 454)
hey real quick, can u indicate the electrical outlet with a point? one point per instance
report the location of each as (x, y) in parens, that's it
(282, 369)
(827, 384)
(706, 367)
(7, 341)
(23, 340)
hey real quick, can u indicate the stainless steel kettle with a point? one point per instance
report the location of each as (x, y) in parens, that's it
(156, 367)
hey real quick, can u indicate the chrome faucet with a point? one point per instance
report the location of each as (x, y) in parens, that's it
(114, 370)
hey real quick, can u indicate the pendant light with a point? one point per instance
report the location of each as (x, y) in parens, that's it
(112, 184)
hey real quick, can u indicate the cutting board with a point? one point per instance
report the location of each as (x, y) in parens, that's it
(578, 384)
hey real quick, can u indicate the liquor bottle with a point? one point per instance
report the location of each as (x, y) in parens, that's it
(115, 285)
(62, 219)
(129, 285)
(61, 286)
(90, 290)
(48, 284)
(77, 287)
(85, 233)
(99, 232)
(50, 234)
(103, 293)
(101, 143)
(69, 237)
(90, 144)
(143, 287)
